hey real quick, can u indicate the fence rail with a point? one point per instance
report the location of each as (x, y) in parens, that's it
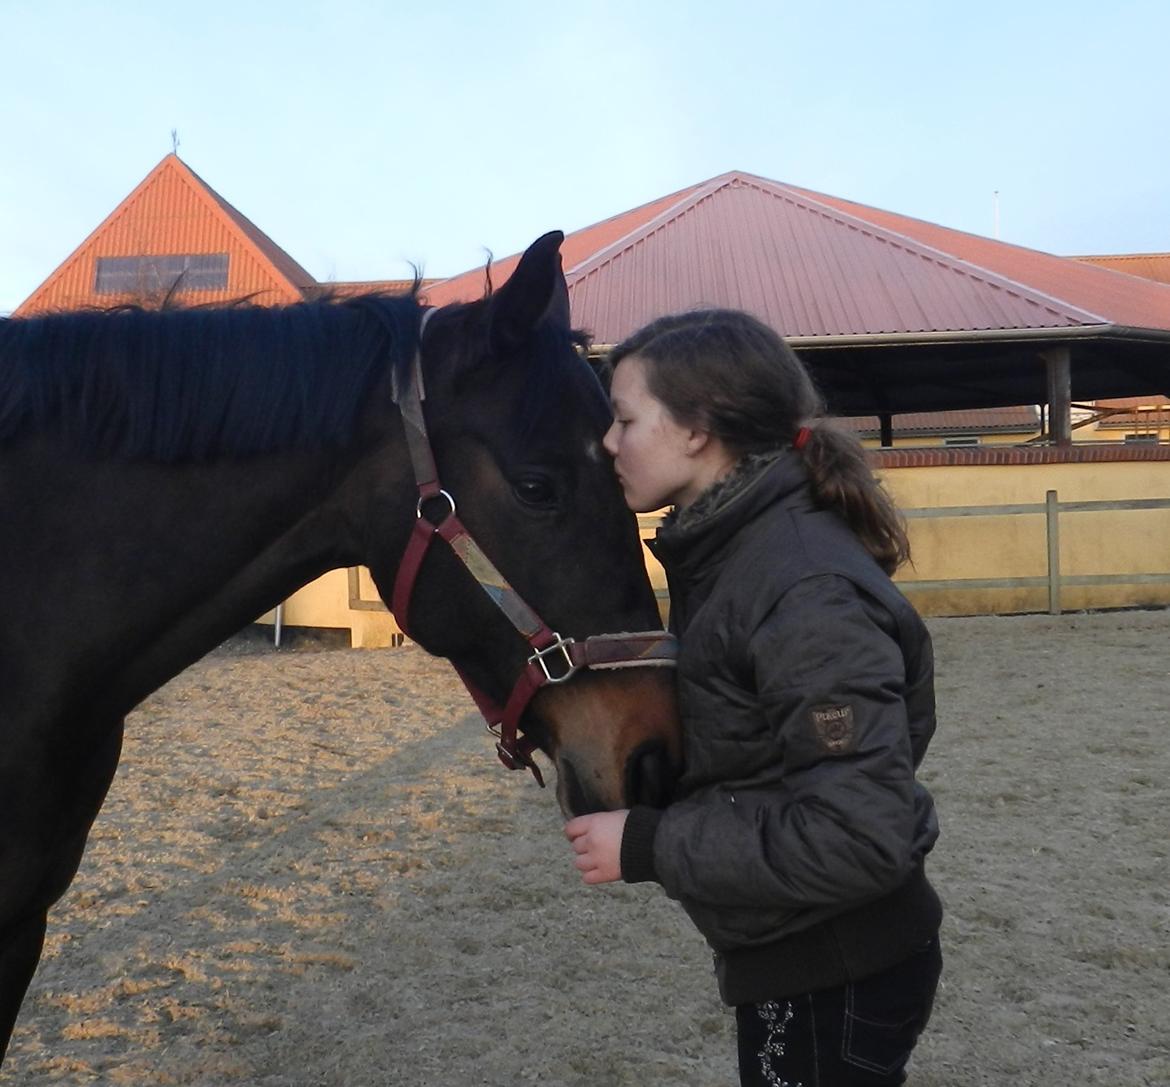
(1051, 508)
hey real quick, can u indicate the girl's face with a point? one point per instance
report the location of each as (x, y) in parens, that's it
(656, 459)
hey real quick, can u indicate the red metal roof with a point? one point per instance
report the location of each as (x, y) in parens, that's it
(578, 247)
(1116, 298)
(815, 266)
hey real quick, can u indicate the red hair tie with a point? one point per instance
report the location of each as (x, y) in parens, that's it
(802, 437)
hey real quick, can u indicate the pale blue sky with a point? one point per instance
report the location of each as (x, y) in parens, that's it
(362, 135)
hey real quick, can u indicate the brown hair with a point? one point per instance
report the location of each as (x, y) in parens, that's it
(728, 373)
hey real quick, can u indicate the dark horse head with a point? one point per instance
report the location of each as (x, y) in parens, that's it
(515, 418)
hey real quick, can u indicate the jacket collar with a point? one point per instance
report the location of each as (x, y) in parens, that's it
(689, 537)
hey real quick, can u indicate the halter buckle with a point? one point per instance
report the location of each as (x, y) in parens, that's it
(517, 760)
(541, 657)
(509, 758)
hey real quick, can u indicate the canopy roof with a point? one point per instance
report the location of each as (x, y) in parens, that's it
(892, 314)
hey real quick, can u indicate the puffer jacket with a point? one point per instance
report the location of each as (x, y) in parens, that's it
(797, 836)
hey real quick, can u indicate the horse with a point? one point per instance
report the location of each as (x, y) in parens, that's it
(166, 476)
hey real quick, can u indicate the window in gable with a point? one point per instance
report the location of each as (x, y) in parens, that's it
(177, 272)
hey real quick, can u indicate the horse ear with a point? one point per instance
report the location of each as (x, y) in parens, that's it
(535, 292)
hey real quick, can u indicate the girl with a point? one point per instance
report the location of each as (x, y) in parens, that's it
(797, 837)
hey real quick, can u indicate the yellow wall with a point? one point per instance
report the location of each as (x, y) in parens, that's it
(1109, 542)
(329, 602)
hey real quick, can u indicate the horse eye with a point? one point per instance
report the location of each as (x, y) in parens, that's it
(534, 491)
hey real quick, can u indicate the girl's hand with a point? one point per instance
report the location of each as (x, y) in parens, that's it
(597, 841)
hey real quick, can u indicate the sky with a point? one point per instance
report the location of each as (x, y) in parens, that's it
(365, 137)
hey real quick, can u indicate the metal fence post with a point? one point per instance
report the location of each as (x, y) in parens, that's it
(1052, 519)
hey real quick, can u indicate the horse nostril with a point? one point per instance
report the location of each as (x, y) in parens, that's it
(650, 776)
(577, 799)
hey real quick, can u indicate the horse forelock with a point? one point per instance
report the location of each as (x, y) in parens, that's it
(201, 383)
(559, 383)
(545, 382)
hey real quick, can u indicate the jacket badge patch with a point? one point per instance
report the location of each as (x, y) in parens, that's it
(834, 727)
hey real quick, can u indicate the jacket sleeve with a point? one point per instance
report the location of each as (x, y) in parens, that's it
(830, 820)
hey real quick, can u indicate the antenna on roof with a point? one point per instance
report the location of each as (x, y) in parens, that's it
(174, 141)
(995, 207)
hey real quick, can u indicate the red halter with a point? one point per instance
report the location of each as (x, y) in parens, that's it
(554, 659)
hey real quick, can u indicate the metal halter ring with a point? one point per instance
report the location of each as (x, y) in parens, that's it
(561, 645)
(430, 497)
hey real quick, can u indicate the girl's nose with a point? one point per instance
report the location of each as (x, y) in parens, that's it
(610, 441)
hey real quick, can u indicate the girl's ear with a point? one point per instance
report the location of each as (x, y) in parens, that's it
(697, 441)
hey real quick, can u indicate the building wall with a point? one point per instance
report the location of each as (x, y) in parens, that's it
(1116, 542)
(940, 441)
(341, 600)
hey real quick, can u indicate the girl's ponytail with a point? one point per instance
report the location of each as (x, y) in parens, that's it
(842, 480)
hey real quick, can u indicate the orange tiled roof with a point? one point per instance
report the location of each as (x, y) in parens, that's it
(1132, 402)
(352, 288)
(1013, 420)
(1154, 266)
(1146, 411)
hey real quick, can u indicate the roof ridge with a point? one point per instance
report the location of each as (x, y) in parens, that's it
(252, 235)
(680, 193)
(75, 255)
(921, 249)
(689, 199)
(1117, 256)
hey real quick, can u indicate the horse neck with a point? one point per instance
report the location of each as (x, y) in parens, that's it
(147, 566)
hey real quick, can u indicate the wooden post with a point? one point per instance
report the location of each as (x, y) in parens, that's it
(886, 422)
(1059, 364)
(1052, 519)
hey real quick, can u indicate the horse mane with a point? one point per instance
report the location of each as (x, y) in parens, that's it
(205, 382)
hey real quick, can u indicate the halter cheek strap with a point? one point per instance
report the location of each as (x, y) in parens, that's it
(554, 659)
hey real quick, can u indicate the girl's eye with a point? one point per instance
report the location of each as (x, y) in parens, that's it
(535, 491)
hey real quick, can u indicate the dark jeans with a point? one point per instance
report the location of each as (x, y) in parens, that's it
(857, 1035)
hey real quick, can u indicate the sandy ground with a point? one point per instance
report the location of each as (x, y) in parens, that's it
(311, 870)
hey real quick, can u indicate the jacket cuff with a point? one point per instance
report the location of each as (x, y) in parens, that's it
(637, 853)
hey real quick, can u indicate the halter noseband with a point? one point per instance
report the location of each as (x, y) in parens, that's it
(554, 659)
